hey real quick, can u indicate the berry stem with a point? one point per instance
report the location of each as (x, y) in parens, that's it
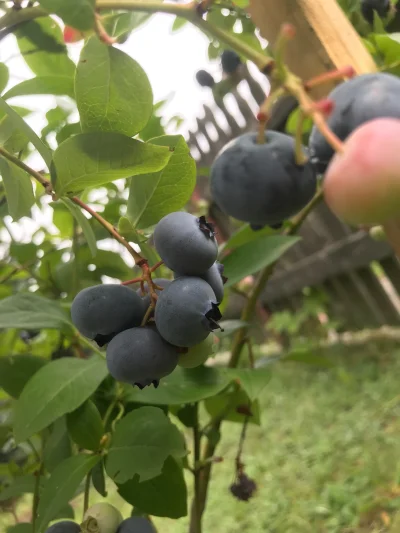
(338, 74)
(265, 112)
(157, 265)
(300, 157)
(132, 281)
(101, 32)
(195, 519)
(147, 315)
(86, 494)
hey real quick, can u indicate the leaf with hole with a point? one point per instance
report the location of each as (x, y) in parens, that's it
(93, 159)
(164, 495)
(18, 188)
(112, 90)
(152, 196)
(79, 14)
(254, 256)
(56, 389)
(142, 441)
(16, 371)
(61, 486)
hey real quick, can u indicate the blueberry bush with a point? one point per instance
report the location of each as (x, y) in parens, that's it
(111, 314)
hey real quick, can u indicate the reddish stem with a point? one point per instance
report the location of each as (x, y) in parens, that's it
(340, 73)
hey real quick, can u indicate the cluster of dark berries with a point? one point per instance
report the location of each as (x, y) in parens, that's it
(370, 7)
(104, 518)
(262, 184)
(186, 310)
(230, 62)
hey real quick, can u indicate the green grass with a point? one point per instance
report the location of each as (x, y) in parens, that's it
(326, 456)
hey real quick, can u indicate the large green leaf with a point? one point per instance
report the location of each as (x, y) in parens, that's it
(85, 426)
(58, 445)
(93, 159)
(152, 196)
(245, 234)
(164, 495)
(55, 85)
(16, 371)
(18, 188)
(60, 487)
(56, 389)
(22, 527)
(120, 25)
(20, 485)
(4, 77)
(252, 381)
(27, 310)
(112, 90)
(184, 385)
(142, 441)
(79, 14)
(233, 406)
(41, 44)
(83, 223)
(252, 257)
(20, 124)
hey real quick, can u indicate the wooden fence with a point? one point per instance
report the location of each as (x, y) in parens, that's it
(340, 260)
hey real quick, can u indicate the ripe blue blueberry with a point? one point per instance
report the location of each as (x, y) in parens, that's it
(102, 311)
(205, 79)
(66, 526)
(136, 524)
(230, 61)
(187, 311)
(356, 101)
(214, 277)
(380, 7)
(186, 243)
(261, 183)
(140, 356)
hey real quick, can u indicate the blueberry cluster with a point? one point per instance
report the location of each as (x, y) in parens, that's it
(262, 184)
(104, 518)
(185, 314)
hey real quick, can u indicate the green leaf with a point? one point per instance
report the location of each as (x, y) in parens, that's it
(252, 381)
(93, 159)
(229, 405)
(16, 371)
(245, 235)
(27, 310)
(98, 478)
(126, 229)
(79, 14)
(120, 25)
(184, 385)
(112, 90)
(58, 445)
(56, 389)
(152, 196)
(20, 485)
(67, 131)
(18, 188)
(66, 512)
(388, 47)
(61, 486)
(22, 527)
(83, 223)
(54, 85)
(252, 257)
(142, 441)
(4, 77)
(178, 23)
(20, 124)
(229, 327)
(41, 44)
(164, 495)
(23, 252)
(85, 426)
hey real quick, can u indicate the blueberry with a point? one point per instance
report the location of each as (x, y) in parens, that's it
(261, 183)
(205, 79)
(136, 524)
(214, 277)
(187, 311)
(357, 101)
(66, 526)
(140, 356)
(102, 311)
(197, 355)
(102, 518)
(230, 61)
(161, 282)
(186, 243)
(380, 7)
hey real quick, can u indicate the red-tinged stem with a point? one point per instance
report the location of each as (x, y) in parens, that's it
(344, 72)
(157, 265)
(132, 281)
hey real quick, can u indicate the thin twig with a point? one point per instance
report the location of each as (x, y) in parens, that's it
(86, 494)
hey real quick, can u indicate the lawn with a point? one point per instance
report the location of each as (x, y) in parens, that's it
(326, 456)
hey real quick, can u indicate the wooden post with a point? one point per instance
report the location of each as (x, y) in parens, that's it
(324, 40)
